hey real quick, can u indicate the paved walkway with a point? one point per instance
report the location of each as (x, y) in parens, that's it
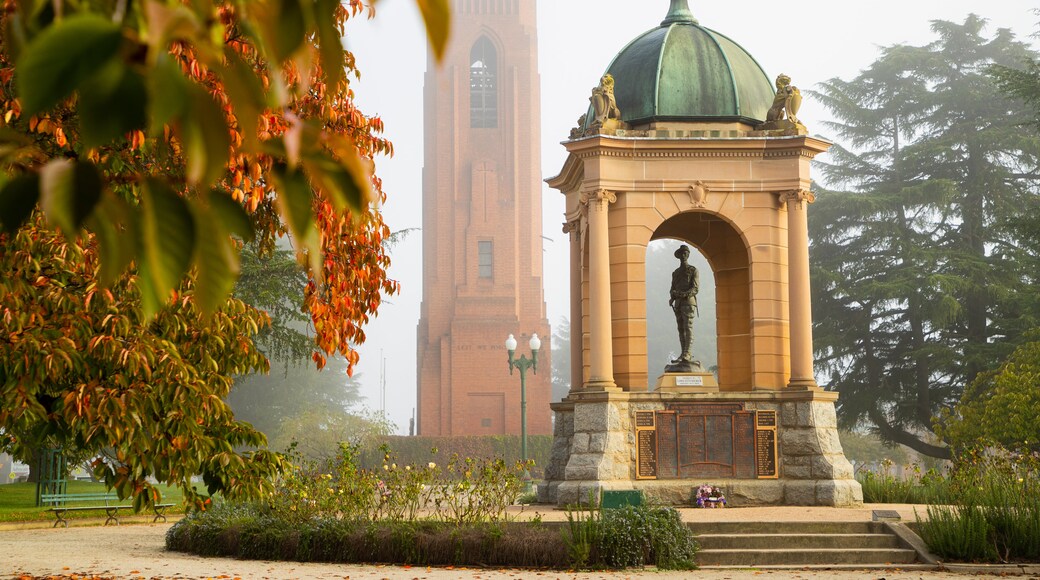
(137, 552)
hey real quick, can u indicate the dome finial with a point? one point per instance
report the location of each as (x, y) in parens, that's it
(679, 12)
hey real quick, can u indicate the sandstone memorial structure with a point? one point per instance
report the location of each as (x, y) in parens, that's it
(686, 139)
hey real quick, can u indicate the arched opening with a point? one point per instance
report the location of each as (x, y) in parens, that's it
(726, 252)
(661, 332)
(483, 85)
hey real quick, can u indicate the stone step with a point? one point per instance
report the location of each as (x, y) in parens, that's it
(809, 557)
(786, 528)
(828, 570)
(796, 541)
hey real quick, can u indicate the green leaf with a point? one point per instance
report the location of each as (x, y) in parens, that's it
(437, 16)
(167, 236)
(217, 260)
(61, 57)
(18, 197)
(113, 223)
(294, 200)
(345, 184)
(331, 54)
(295, 197)
(169, 93)
(204, 132)
(110, 108)
(288, 28)
(69, 191)
(232, 215)
(247, 93)
(166, 23)
(152, 300)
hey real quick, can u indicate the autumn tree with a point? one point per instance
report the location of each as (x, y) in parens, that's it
(920, 275)
(156, 136)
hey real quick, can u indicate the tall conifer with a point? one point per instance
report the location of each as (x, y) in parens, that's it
(918, 276)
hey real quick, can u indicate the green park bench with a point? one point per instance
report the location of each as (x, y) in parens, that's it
(111, 506)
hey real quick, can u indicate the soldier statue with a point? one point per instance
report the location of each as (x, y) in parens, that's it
(683, 300)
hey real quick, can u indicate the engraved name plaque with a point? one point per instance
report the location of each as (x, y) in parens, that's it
(646, 445)
(646, 454)
(766, 419)
(765, 445)
(688, 381)
(765, 451)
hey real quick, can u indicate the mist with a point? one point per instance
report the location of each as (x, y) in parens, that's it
(577, 39)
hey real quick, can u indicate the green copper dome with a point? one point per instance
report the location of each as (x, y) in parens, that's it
(681, 71)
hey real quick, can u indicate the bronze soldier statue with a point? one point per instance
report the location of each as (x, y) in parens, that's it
(683, 300)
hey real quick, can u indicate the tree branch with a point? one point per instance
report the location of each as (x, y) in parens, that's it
(896, 435)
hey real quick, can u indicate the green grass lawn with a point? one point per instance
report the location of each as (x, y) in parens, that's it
(17, 501)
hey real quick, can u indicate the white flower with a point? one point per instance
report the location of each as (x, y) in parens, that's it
(432, 465)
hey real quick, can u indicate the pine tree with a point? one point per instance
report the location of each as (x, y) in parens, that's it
(918, 276)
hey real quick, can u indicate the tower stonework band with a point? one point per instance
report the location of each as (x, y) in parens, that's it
(728, 176)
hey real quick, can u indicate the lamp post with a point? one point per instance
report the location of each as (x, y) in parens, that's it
(523, 363)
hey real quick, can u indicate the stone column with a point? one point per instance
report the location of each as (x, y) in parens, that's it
(798, 287)
(577, 363)
(601, 367)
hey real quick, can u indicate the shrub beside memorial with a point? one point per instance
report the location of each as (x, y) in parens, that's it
(424, 514)
(994, 511)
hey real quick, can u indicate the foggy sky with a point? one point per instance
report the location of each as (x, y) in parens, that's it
(811, 41)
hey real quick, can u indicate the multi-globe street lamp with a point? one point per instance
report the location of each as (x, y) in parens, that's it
(523, 363)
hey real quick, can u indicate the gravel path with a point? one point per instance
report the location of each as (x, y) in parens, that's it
(137, 552)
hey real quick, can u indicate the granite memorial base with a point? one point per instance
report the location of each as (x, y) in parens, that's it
(760, 447)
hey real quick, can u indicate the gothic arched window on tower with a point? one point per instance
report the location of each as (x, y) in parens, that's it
(483, 85)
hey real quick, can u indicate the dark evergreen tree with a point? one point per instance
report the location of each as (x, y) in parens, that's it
(917, 277)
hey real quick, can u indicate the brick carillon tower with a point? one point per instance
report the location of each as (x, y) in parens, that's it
(482, 227)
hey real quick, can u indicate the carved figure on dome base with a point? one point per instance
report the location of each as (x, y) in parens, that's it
(606, 117)
(783, 115)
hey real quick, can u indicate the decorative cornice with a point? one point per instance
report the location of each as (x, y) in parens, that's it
(799, 196)
(705, 154)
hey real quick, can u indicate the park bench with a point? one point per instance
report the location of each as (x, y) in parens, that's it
(111, 506)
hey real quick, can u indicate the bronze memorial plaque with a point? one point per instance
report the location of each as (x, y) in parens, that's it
(667, 446)
(744, 445)
(765, 445)
(705, 408)
(644, 419)
(705, 440)
(766, 419)
(646, 454)
(646, 445)
(765, 450)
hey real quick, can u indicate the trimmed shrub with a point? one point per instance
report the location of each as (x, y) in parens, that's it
(994, 515)
(618, 538)
(250, 532)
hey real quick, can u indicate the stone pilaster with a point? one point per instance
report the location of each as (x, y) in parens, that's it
(563, 431)
(813, 464)
(600, 450)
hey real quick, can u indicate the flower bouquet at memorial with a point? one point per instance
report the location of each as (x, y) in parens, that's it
(709, 496)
